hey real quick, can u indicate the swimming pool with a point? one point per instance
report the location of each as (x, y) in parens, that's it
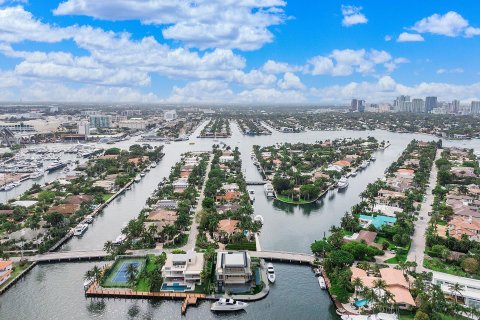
(378, 221)
(175, 287)
(360, 303)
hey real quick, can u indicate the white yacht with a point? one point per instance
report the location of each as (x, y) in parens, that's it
(271, 273)
(378, 316)
(251, 195)
(7, 187)
(138, 178)
(87, 283)
(119, 240)
(269, 191)
(88, 219)
(228, 305)
(364, 164)
(153, 165)
(142, 174)
(80, 229)
(37, 174)
(342, 183)
(373, 158)
(322, 283)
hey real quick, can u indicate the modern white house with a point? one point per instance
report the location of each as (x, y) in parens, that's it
(182, 271)
(225, 159)
(470, 293)
(232, 268)
(181, 183)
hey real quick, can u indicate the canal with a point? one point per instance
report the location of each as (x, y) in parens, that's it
(55, 291)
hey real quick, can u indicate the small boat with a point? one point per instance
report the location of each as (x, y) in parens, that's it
(138, 178)
(258, 218)
(354, 173)
(119, 240)
(317, 271)
(153, 165)
(37, 174)
(224, 304)
(322, 283)
(8, 187)
(364, 164)
(142, 174)
(348, 175)
(373, 158)
(270, 273)
(342, 183)
(191, 143)
(80, 229)
(88, 219)
(251, 195)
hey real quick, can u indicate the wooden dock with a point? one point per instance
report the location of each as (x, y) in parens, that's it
(189, 299)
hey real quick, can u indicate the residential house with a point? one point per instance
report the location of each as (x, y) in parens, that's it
(5, 270)
(108, 185)
(396, 282)
(180, 185)
(226, 228)
(461, 225)
(182, 269)
(463, 172)
(65, 209)
(228, 196)
(160, 218)
(232, 269)
(226, 159)
(389, 197)
(167, 204)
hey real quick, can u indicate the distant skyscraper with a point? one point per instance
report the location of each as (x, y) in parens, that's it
(100, 121)
(402, 104)
(418, 106)
(357, 105)
(455, 106)
(475, 107)
(430, 103)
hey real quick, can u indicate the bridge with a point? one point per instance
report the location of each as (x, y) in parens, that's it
(88, 255)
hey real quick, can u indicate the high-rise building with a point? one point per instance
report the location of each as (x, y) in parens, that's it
(357, 105)
(454, 106)
(170, 115)
(401, 104)
(418, 106)
(430, 103)
(100, 121)
(83, 128)
(475, 107)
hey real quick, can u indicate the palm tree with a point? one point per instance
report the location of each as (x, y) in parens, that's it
(358, 285)
(96, 273)
(132, 276)
(108, 247)
(455, 289)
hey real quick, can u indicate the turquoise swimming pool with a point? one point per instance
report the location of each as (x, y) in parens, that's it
(175, 287)
(378, 221)
(360, 303)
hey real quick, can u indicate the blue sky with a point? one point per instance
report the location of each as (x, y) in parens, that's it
(245, 51)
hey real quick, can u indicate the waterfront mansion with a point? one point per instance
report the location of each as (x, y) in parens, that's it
(182, 270)
(233, 270)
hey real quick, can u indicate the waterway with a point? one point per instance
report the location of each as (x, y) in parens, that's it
(55, 291)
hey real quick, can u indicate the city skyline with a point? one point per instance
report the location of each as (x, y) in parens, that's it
(250, 53)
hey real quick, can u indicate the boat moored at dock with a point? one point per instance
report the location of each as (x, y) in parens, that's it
(228, 305)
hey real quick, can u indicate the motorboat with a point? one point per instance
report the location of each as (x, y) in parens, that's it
(138, 178)
(87, 283)
(251, 195)
(270, 273)
(56, 165)
(224, 304)
(354, 173)
(342, 183)
(317, 271)
(80, 229)
(373, 158)
(37, 174)
(321, 282)
(269, 191)
(142, 174)
(364, 164)
(153, 165)
(258, 218)
(378, 316)
(8, 187)
(88, 219)
(119, 240)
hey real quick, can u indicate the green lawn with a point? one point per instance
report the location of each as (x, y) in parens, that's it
(107, 196)
(181, 241)
(143, 285)
(398, 258)
(246, 245)
(288, 200)
(436, 264)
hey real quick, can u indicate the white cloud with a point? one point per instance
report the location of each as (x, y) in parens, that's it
(450, 24)
(455, 70)
(410, 37)
(346, 62)
(241, 24)
(274, 67)
(388, 38)
(386, 89)
(270, 95)
(352, 15)
(290, 81)
(202, 91)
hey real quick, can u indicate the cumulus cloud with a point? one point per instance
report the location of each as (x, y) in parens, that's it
(352, 15)
(241, 24)
(346, 62)
(410, 37)
(386, 89)
(450, 24)
(290, 81)
(274, 67)
(455, 70)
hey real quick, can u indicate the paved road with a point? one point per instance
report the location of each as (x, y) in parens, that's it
(417, 249)
(192, 236)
